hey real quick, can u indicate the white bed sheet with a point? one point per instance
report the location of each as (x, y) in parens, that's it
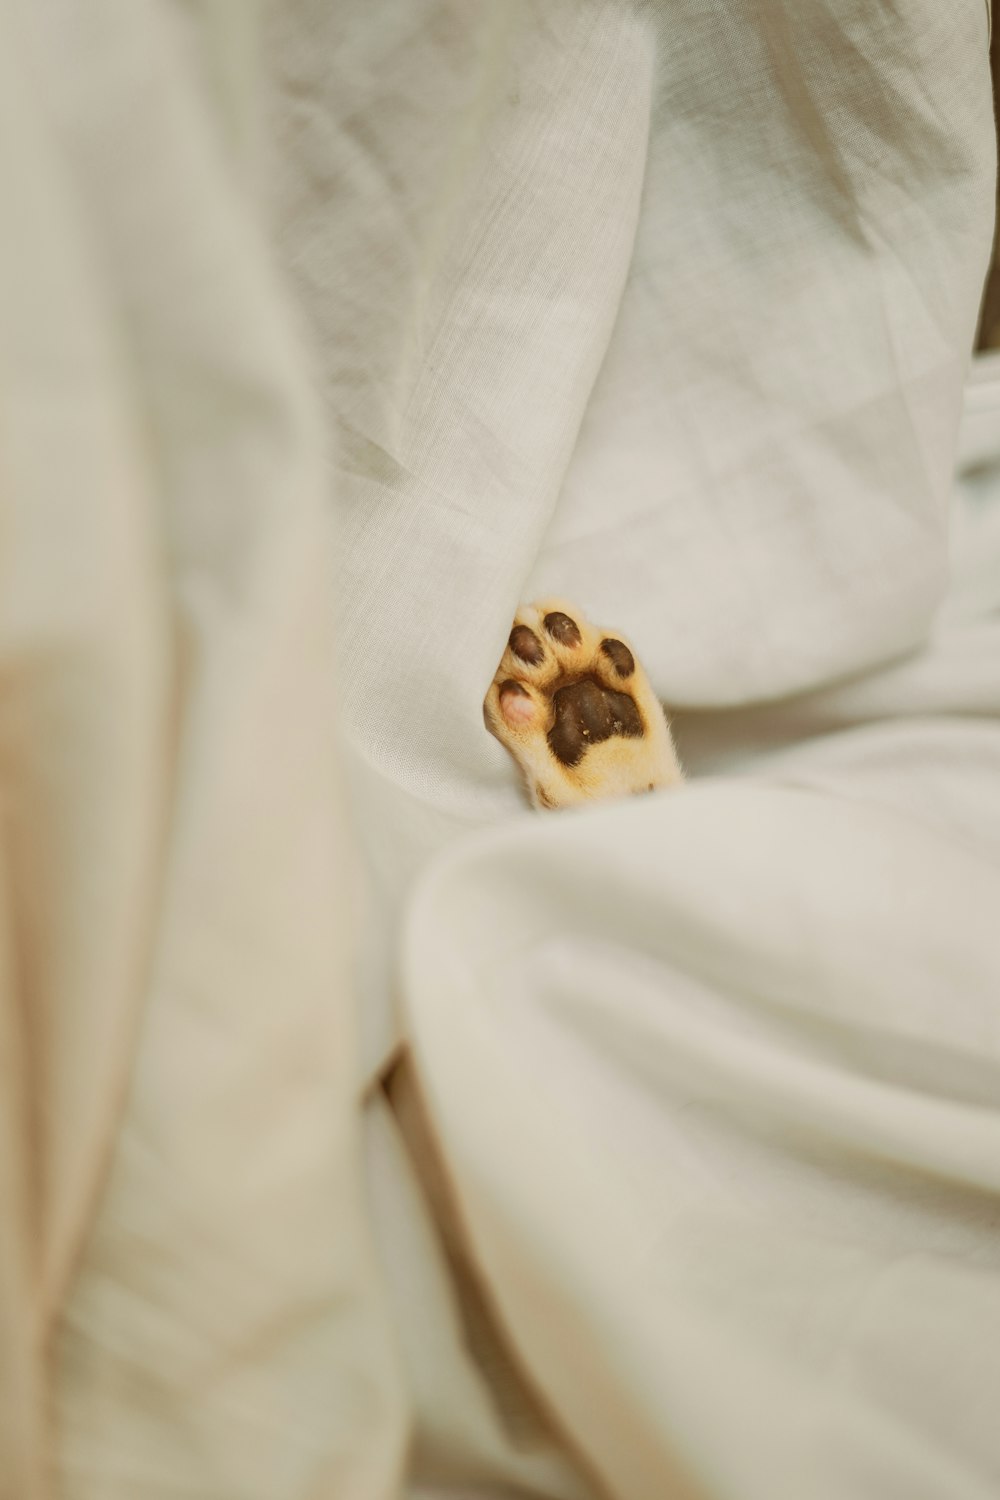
(669, 310)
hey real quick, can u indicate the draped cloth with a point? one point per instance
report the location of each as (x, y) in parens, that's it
(327, 334)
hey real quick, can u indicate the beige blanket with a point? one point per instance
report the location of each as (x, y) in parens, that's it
(327, 333)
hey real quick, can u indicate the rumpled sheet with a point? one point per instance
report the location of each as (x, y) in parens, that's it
(190, 1306)
(669, 309)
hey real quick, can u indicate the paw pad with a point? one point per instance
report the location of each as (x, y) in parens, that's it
(619, 656)
(525, 645)
(562, 628)
(587, 713)
(515, 703)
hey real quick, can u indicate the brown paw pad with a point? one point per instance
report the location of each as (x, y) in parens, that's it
(587, 713)
(562, 629)
(525, 645)
(619, 656)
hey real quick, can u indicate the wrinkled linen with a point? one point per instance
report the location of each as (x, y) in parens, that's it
(681, 331)
(329, 333)
(624, 303)
(187, 1267)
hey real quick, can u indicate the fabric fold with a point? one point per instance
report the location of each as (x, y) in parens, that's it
(716, 1081)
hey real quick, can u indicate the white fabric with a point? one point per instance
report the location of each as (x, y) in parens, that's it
(668, 308)
(716, 1077)
(747, 1036)
(661, 310)
(746, 1043)
(184, 1244)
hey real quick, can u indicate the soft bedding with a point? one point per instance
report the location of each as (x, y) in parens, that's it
(329, 334)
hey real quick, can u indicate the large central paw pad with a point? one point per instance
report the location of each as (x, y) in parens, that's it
(574, 708)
